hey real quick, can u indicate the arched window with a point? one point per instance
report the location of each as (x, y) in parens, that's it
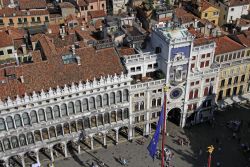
(105, 100)
(37, 134)
(136, 105)
(18, 121)
(126, 113)
(125, 95)
(49, 113)
(30, 138)
(196, 93)
(63, 110)
(78, 106)
(79, 124)
(142, 105)
(206, 91)
(2, 124)
(6, 143)
(91, 103)
(100, 119)
(93, 121)
(112, 98)
(41, 115)
(113, 116)
(33, 117)
(52, 132)
(14, 142)
(98, 101)
(118, 97)
(153, 103)
(1, 147)
(26, 119)
(45, 134)
(59, 130)
(22, 140)
(85, 104)
(56, 112)
(106, 118)
(71, 108)
(66, 128)
(119, 115)
(73, 126)
(159, 102)
(86, 123)
(10, 122)
(191, 94)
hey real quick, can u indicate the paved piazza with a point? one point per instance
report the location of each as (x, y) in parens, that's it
(200, 136)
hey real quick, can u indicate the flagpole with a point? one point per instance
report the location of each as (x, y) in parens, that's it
(164, 126)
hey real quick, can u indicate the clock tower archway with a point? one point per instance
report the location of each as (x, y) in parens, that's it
(174, 115)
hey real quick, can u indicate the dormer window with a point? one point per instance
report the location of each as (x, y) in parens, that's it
(69, 59)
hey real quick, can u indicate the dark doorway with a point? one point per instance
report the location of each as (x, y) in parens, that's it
(174, 116)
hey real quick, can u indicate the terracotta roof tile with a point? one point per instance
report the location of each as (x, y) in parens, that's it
(5, 40)
(66, 5)
(32, 4)
(82, 3)
(126, 51)
(205, 5)
(12, 11)
(185, 16)
(97, 14)
(224, 45)
(238, 2)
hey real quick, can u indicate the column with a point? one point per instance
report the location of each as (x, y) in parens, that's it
(6, 163)
(104, 140)
(130, 134)
(91, 143)
(52, 155)
(147, 131)
(117, 136)
(65, 150)
(23, 162)
(37, 157)
(79, 149)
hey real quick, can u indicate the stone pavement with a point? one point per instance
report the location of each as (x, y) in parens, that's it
(200, 136)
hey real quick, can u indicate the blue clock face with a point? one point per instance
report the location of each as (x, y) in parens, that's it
(176, 93)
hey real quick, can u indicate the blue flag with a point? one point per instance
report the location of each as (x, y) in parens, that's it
(152, 147)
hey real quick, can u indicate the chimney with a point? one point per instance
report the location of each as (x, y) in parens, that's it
(73, 49)
(22, 79)
(24, 49)
(78, 59)
(82, 28)
(63, 30)
(61, 33)
(49, 31)
(12, 2)
(180, 5)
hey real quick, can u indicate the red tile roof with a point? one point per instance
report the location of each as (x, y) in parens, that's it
(224, 45)
(51, 72)
(205, 5)
(237, 2)
(66, 5)
(82, 3)
(9, 12)
(185, 16)
(32, 4)
(97, 14)
(5, 40)
(126, 51)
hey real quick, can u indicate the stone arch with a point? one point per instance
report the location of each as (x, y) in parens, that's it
(119, 115)
(106, 118)
(105, 99)
(85, 105)
(10, 122)
(126, 113)
(80, 124)
(159, 102)
(2, 124)
(93, 121)
(113, 116)
(91, 103)
(56, 111)
(44, 154)
(98, 101)
(123, 132)
(71, 108)
(119, 96)
(153, 103)
(30, 138)
(59, 130)
(63, 110)
(14, 142)
(49, 114)
(78, 107)
(66, 128)
(45, 134)
(52, 132)
(86, 123)
(37, 135)
(112, 98)
(6, 144)
(100, 119)
(18, 120)
(14, 161)
(73, 126)
(41, 115)
(125, 95)
(33, 117)
(174, 115)
(22, 139)
(26, 118)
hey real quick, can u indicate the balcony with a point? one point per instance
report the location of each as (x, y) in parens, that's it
(150, 76)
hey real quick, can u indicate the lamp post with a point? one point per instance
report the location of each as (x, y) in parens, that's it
(210, 151)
